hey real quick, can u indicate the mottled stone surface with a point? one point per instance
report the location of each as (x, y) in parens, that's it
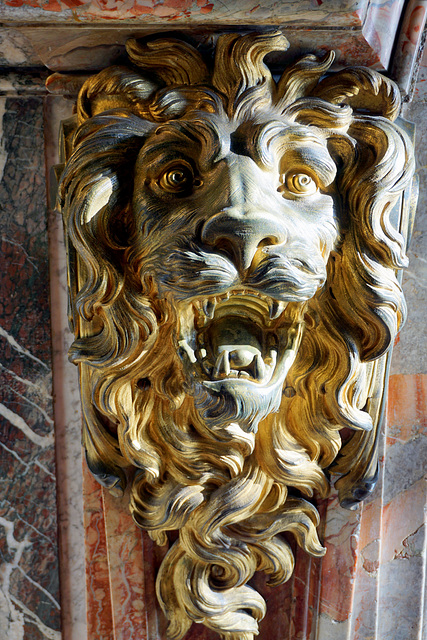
(408, 46)
(409, 355)
(29, 578)
(125, 549)
(99, 610)
(16, 49)
(403, 534)
(13, 83)
(66, 407)
(90, 49)
(347, 12)
(420, 93)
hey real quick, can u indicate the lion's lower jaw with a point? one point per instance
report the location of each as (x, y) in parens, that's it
(219, 411)
(231, 400)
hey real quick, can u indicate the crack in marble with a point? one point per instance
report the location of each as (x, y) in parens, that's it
(13, 343)
(16, 456)
(3, 152)
(30, 125)
(7, 568)
(125, 601)
(406, 553)
(28, 465)
(39, 586)
(20, 245)
(6, 571)
(19, 423)
(28, 383)
(49, 634)
(33, 404)
(27, 524)
(37, 463)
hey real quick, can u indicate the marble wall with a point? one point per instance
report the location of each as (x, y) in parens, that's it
(29, 578)
(343, 12)
(66, 406)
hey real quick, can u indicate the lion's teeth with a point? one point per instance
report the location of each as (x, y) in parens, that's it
(188, 350)
(207, 368)
(222, 297)
(244, 374)
(273, 309)
(201, 354)
(199, 315)
(222, 365)
(241, 357)
(209, 308)
(277, 307)
(259, 368)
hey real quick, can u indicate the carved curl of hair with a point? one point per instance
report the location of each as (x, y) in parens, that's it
(125, 334)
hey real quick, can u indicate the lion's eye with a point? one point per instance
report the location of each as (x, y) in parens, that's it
(178, 179)
(300, 183)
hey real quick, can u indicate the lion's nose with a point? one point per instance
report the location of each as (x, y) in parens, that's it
(242, 236)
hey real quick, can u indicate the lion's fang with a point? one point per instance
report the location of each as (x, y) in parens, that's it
(271, 359)
(207, 367)
(277, 307)
(188, 350)
(209, 308)
(244, 374)
(222, 365)
(259, 367)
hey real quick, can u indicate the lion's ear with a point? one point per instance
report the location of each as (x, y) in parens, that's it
(115, 88)
(363, 89)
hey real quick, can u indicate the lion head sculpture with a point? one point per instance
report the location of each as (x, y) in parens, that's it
(232, 277)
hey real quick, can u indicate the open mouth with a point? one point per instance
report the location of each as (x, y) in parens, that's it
(240, 337)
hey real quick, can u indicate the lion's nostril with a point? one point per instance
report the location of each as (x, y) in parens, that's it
(240, 250)
(227, 248)
(269, 241)
(240, 237)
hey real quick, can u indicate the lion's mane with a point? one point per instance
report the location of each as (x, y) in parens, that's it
(224, 489)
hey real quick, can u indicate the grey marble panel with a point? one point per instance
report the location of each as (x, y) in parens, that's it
(29, 577)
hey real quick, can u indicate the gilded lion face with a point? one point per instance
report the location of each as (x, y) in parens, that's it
(239, 222)
(232, 266)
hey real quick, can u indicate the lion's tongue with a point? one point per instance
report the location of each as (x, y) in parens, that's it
(236, 348)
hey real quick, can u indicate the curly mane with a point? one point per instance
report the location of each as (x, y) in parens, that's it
(137, 410)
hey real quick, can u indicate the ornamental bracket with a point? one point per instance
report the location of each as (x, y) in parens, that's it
(234, 243)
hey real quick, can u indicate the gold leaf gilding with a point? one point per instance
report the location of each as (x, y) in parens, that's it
(232, 270)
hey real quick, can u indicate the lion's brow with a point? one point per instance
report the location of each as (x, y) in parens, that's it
(201, 134)
(276, 140)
